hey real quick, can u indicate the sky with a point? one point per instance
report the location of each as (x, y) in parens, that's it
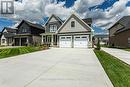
(103, 12)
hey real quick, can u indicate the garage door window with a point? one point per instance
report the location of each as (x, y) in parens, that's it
(65, 38)
(84, 37)
(77, 38)
(62, 37)
(68, 38)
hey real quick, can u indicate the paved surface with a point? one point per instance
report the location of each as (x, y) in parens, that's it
(121, 54)
(56, 67)
(5, 47)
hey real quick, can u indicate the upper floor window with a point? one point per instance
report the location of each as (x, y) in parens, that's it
(73, 24)
(24, 30)
(53, 28)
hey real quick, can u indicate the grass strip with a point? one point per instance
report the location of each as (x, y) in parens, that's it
(117, 70)
(4, 53)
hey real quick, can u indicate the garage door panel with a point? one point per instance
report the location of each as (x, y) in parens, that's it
(80, 41)
(65, 41)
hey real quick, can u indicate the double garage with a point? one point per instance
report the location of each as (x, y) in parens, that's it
(76, 41)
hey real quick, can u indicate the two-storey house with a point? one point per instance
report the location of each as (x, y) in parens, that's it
(28, 34)
(74, 32)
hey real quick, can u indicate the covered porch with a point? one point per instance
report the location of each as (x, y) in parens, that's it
(50, 39)
(22, 41)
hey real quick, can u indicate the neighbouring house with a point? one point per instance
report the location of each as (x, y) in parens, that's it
(72, 33)
(104, 39)
(28, 34)
(119, 33)
(7, 36)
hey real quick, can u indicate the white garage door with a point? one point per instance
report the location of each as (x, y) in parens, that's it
(81, 41)
(65, 41)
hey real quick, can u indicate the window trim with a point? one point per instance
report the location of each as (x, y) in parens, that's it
(72, 24)
(53, 27)
(24, 30)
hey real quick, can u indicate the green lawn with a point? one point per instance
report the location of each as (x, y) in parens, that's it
(117, 71)
(17, 51)
(127, 49)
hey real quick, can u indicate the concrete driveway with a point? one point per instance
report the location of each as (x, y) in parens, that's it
(119, 53)
(56, 67)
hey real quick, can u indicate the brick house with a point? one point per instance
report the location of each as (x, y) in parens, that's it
(119, 33)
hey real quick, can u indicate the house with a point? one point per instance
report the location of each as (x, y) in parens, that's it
(104, 39)
(119, 33)
(7, 36)
(71, 33)
(51, 26)
(28, 34)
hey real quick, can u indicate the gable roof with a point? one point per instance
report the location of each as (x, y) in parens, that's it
(88, 20)
(38, 26)
(6, 35)
(124, 21)
(10, 32)
(56, 17)
(79, 20)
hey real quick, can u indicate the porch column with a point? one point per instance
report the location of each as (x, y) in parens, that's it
(42, 39)
(20, 42)
(14, 41)
(57, 37)
(52, 40)
(27, 42)
(47, 39)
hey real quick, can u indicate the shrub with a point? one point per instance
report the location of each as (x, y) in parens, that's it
(98, 47)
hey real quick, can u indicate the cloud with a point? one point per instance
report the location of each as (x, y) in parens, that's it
(29, 9)
(35, 10)
(58, 9)
(107, 18)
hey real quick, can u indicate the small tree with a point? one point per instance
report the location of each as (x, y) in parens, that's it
(98, 45)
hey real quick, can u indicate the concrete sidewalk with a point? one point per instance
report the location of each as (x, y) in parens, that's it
(120, 54)
(56, 67)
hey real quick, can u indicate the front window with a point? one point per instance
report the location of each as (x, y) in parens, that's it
(3, 40)
(24, 30)
(53, 28)
(73, 24)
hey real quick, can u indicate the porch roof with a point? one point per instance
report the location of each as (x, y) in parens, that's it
(48, 34)
(21, 35)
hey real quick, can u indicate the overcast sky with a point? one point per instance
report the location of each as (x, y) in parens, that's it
(103, 12)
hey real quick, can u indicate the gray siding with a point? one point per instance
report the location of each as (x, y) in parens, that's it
(24, 26)
(50, 23)
(78, 27)
(37, 40)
